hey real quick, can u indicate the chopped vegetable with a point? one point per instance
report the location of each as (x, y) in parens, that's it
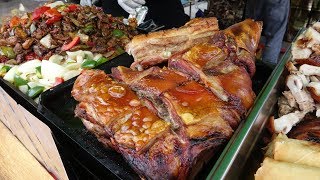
(32, 28)
(8, 51)
(55, 4)
(74, 42)
(38, 12)
(88, 29)
(117, 33)
(10, 74)
(38, 72)
(58, 81)
(56, 59)
(29, 67)
(54, 16)
(51, 70)
(31, 56)
(75, 22)
(35, 91)
(119, 50)
(46, 41)
(20, 33)
(89, 64)
(73, 66)
(71, 8)
(83, 38)
(101, 61)
(18, 81)
(15, 21)
(24, 88)
(4, 70)
(71, 74)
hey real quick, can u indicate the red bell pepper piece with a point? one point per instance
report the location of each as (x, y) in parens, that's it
(15, 21)
(31, 56)
(54, 16)
(90, 43)
(68, 46)
(38, 12)
(53, 20)
(71, 8)
(58, 81)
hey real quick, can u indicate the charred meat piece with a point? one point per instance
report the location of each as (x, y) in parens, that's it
(18, 48)
(308, 130)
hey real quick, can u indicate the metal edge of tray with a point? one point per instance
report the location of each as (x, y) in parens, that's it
(246, 135)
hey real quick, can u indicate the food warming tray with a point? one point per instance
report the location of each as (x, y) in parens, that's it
(243, 154)
(57, 106)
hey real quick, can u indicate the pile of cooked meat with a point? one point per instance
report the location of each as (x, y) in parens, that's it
(167, 122)
(55, 28)
(300, 102)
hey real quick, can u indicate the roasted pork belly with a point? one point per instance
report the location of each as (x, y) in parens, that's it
(200, 112)
(157, 47)
(167, 122)
(150, 84)
(225, 63)
(153, 146)
(117, 110)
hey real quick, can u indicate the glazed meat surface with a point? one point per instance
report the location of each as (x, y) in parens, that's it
(119, 119)
(167, 122)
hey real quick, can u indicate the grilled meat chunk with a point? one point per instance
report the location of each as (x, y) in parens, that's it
(157, 47)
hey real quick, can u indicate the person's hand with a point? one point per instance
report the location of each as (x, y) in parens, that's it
(131, 5)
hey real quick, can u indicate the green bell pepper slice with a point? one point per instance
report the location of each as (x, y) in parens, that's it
(4, 70)
(101, 60)
(88, 29)
(8, 51)
(18, 81)
(117, 33)
(89, 64)
(38, 72)
(35, 91)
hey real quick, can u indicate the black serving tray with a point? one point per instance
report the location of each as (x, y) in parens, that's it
(76, 144)
(57, 106)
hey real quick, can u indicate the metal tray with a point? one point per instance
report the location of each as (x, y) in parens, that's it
(242, 156)
(57, 106)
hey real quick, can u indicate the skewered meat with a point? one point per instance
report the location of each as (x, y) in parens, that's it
(157, 47)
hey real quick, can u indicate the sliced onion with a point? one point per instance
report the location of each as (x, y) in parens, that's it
(32, 28)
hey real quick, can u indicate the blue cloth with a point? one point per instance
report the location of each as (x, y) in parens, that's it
(274, 14)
